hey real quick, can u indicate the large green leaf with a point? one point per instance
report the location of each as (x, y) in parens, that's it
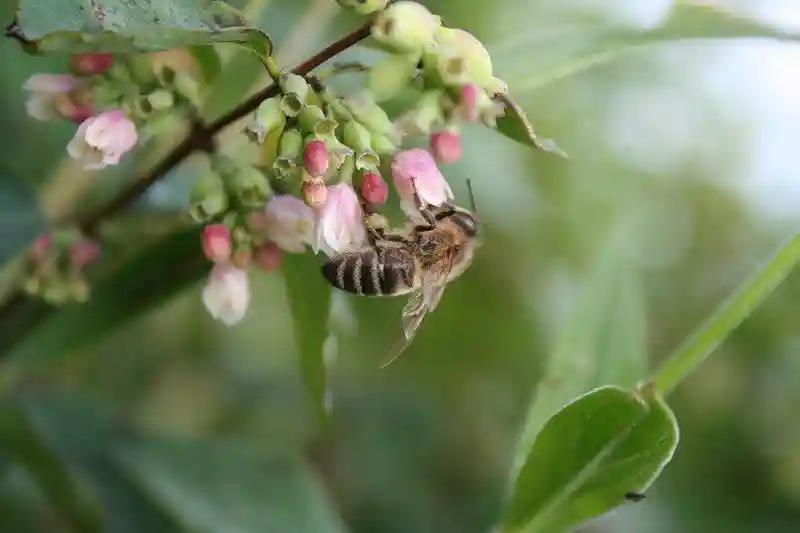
(83, 437)
(309, 299)
(121, 26)
(592, 44)
(588, 456)
(20, 442)
(215, 487)
(604, 343)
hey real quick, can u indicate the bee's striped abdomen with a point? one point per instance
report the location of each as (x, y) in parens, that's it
(370, 272)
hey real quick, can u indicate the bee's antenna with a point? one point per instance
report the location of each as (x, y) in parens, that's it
(471, 196)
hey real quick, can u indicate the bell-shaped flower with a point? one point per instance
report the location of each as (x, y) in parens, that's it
(340, 221)
(416, 169)
(289, 223)
(446, 146)
(227, 293)
(102, 140)
(54, 96)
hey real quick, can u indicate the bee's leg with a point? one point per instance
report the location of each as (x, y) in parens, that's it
(423, 209)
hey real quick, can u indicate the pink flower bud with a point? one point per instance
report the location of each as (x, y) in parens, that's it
(87, 64)
(314, 191)
(470, 94)
(217, 244)
(446, 146)
(103, 139)
(84, 252)
(316, 158)
(41, 248)
(268, 257)
(50, 96)
(373, 189)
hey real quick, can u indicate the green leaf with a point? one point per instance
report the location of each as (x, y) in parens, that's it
(209, 62)
(604, 343)
(309, 299)
(215, 487)
(20, 442)
(121, 26)
(121, 293)
(601, 45)
(84, 437)
(588, 456)
(21, 220)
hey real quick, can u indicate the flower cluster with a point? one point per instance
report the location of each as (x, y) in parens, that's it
(57, 262)
(111, 99)
(323, 154)
(330, 148)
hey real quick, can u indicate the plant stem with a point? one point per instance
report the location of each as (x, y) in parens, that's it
(727, 317)
(199, 138)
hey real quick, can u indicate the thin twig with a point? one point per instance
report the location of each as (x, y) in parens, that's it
(199, 138)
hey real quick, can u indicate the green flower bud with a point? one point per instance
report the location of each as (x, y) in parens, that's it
(161, 99)
(285, 167)
(427, 114)
(336, 150)
(363, 7)
(383, 145)
(389, 76)
(309, 117)
(208, 198)
(250, 188)
(325, 127)
(368, 160)
(267, 117)
(291, 144)
(366, 111)
(295, 91)
(347, 169)
(459, 58)
(406, 27)
(356, 136)
(187, 86)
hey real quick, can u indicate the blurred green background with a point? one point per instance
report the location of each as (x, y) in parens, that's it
(683, 158)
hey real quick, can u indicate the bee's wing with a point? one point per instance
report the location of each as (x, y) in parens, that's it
(423, 300)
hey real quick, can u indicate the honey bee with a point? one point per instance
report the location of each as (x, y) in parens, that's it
(435, 247)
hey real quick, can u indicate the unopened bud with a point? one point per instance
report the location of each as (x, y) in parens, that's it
(290, 144)
(217, 244)
(41, 248)
(390, 75)
(309, 117)
(84, 252)
(356, 136)
(208, 199)
(187, 86)
(406, 26)
(363, 7)
(267, 117)
(88, 64)
(374, 189)
(315, 158)
(366, 111)
(446, 146)
(314, 191)
(161, 99)
(250, 187)
(427, 114)
(268, 257)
